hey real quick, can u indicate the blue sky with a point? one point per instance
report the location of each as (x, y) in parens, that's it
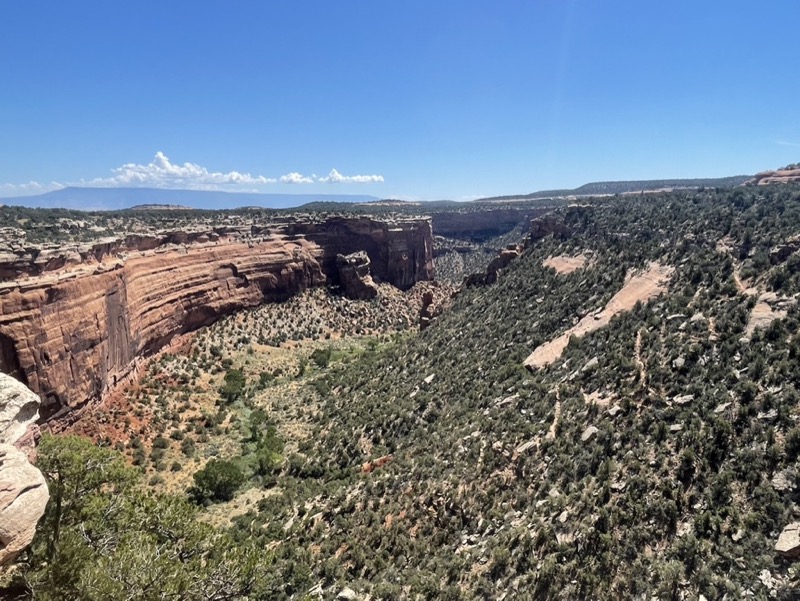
(414, 99)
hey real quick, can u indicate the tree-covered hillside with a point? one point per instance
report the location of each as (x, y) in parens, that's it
(632, 186)
(656, 458)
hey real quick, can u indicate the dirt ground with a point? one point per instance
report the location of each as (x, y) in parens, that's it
(565, 265)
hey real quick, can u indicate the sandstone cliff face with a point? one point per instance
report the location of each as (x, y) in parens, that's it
(23, 491)
(71, 332)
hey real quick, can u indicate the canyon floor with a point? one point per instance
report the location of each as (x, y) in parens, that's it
(170, 421)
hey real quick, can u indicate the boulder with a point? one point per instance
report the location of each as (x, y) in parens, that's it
(788, 544)
(783, 481)
(591, 364)
(589, 433)
(370, 466)
(347, 594)
(23, 490)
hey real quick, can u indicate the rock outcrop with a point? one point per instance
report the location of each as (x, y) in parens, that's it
(354, 276)
(496, 265)
(428, 310)
(779, 176)
(75, 321)
(543, 226)
(778, 254)
(23, 491)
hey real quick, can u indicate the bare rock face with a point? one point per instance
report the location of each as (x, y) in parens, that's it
(73, 334)
(23, 491)
(354, 276)
(74, 325)
(19, 409)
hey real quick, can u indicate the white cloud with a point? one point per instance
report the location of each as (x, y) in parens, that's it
(295, 178)
(787, 143)
(162, 173)
(334, 177)
(28, 189)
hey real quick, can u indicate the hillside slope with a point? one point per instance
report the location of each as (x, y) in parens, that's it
(655, 457)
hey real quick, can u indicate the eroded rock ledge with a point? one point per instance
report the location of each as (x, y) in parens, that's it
(76, 320)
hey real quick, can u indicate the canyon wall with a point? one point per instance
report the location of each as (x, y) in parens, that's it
(400, 253)
(483, 223)
(75, 321)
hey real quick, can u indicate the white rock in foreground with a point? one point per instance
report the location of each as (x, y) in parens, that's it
(23, 490)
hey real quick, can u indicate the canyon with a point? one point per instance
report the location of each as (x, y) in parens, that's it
(77, 320)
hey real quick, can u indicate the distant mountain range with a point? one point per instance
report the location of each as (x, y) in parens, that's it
(110, 199)
(623, 187)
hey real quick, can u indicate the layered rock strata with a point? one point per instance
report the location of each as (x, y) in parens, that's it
(75, 324)
(23, 491)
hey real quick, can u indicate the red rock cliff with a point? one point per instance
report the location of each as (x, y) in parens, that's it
(73, 325)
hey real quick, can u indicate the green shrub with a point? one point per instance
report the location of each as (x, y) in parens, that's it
(217, 481)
